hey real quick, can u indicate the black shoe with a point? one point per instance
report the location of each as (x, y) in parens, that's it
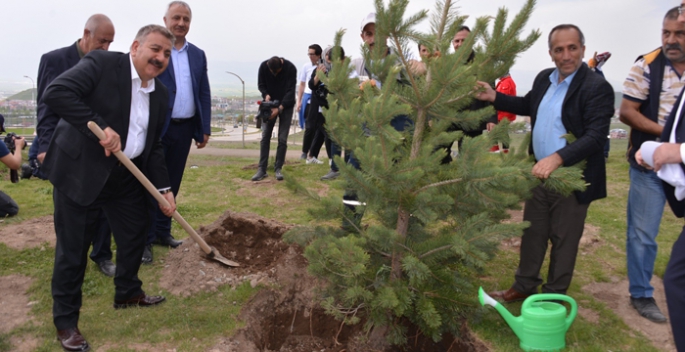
(260, 175)
(279, 175)
(147, 254)
(647, 307)
(303, 156)
(331, 175)
(167, 241)
(107, 267)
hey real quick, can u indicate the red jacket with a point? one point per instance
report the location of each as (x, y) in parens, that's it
(506, 86)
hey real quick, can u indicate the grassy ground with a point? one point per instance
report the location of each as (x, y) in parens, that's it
(195, 323)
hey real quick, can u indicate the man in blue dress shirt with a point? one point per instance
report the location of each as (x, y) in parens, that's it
(188, 116)
(568, 99)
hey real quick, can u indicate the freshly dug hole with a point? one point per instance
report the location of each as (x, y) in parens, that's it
(249, 239)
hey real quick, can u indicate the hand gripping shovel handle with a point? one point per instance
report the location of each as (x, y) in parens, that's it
(155, 193)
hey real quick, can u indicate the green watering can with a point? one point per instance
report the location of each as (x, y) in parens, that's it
(542, 325)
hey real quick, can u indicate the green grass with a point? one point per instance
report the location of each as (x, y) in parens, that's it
(221, 183)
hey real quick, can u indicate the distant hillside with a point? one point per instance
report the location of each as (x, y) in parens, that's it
(24, 95)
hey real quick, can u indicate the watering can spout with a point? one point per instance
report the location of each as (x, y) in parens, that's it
(515, 323)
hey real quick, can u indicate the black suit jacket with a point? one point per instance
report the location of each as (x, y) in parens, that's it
(586, 113)
(51, 65)
(98, 89)
(678, 206)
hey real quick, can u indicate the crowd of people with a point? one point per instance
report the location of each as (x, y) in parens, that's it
(153, 102)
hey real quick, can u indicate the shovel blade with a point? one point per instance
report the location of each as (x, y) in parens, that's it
(215, 255)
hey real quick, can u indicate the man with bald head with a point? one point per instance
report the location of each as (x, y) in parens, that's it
(98, 34)
(188, 117)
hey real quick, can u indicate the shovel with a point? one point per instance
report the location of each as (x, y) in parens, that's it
(211, 252)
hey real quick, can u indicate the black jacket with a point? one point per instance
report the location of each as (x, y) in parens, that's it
(52, 64)
(678, 206)
(586, 112)
(280, 87)
(98, 89)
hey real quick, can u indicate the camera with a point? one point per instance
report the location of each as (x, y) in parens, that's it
(9, 142)
(321, 93)
(265, 107)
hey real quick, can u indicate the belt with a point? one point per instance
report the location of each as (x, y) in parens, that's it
(179, 121)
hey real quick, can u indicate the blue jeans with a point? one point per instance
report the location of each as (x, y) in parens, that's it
(646, 202)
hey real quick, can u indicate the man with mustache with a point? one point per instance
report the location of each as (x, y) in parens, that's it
(188, 115)
(653, 84)
(98, 34)
(120, 94)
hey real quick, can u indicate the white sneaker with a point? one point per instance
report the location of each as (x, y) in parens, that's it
(314, 161)
(330, 162)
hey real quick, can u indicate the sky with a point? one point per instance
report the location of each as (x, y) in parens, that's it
(237, 36)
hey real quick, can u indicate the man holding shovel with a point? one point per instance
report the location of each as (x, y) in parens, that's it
(120, 93)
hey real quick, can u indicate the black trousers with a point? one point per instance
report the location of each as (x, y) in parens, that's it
(309, 133)
(176, 141)
(102, 240)
(552, 218)
(674, 285)
(284, 120)
(8, 207)
(125, 206)
(315, 138)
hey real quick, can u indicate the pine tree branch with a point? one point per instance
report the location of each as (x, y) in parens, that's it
(436, 250)
(437, 184)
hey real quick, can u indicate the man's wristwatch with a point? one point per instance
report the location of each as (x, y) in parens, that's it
(165, 191)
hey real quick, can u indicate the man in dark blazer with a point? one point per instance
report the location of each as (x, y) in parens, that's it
(98, 34)
(672, 151)
(120, 94)
(188, 116)
(567, 99)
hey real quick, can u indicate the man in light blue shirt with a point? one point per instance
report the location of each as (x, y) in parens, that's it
(568, 99)
(549, 130)
(188, 117)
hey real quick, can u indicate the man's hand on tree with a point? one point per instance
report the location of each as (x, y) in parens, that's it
(485, 92)
(543, 168)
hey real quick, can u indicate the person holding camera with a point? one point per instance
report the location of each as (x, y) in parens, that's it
(277, 78)
(10, 155)
(319, 99)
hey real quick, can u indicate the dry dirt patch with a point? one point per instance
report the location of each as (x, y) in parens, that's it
(30, 233)
(14, 302)
(615, 295)
(14, 310)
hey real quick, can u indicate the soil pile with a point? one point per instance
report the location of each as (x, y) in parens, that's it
(249, 239)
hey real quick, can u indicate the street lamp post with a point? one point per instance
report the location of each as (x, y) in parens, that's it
(33, 100)
(244, 117)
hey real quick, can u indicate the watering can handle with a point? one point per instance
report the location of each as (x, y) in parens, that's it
(554, 296)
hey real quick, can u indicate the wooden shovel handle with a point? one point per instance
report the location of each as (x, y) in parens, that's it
(151, 188)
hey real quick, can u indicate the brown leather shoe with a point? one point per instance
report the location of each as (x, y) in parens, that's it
(510, 295)
(139, 301)
(72, 340)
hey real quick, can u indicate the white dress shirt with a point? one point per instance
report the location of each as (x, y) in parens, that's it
(140, 114)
